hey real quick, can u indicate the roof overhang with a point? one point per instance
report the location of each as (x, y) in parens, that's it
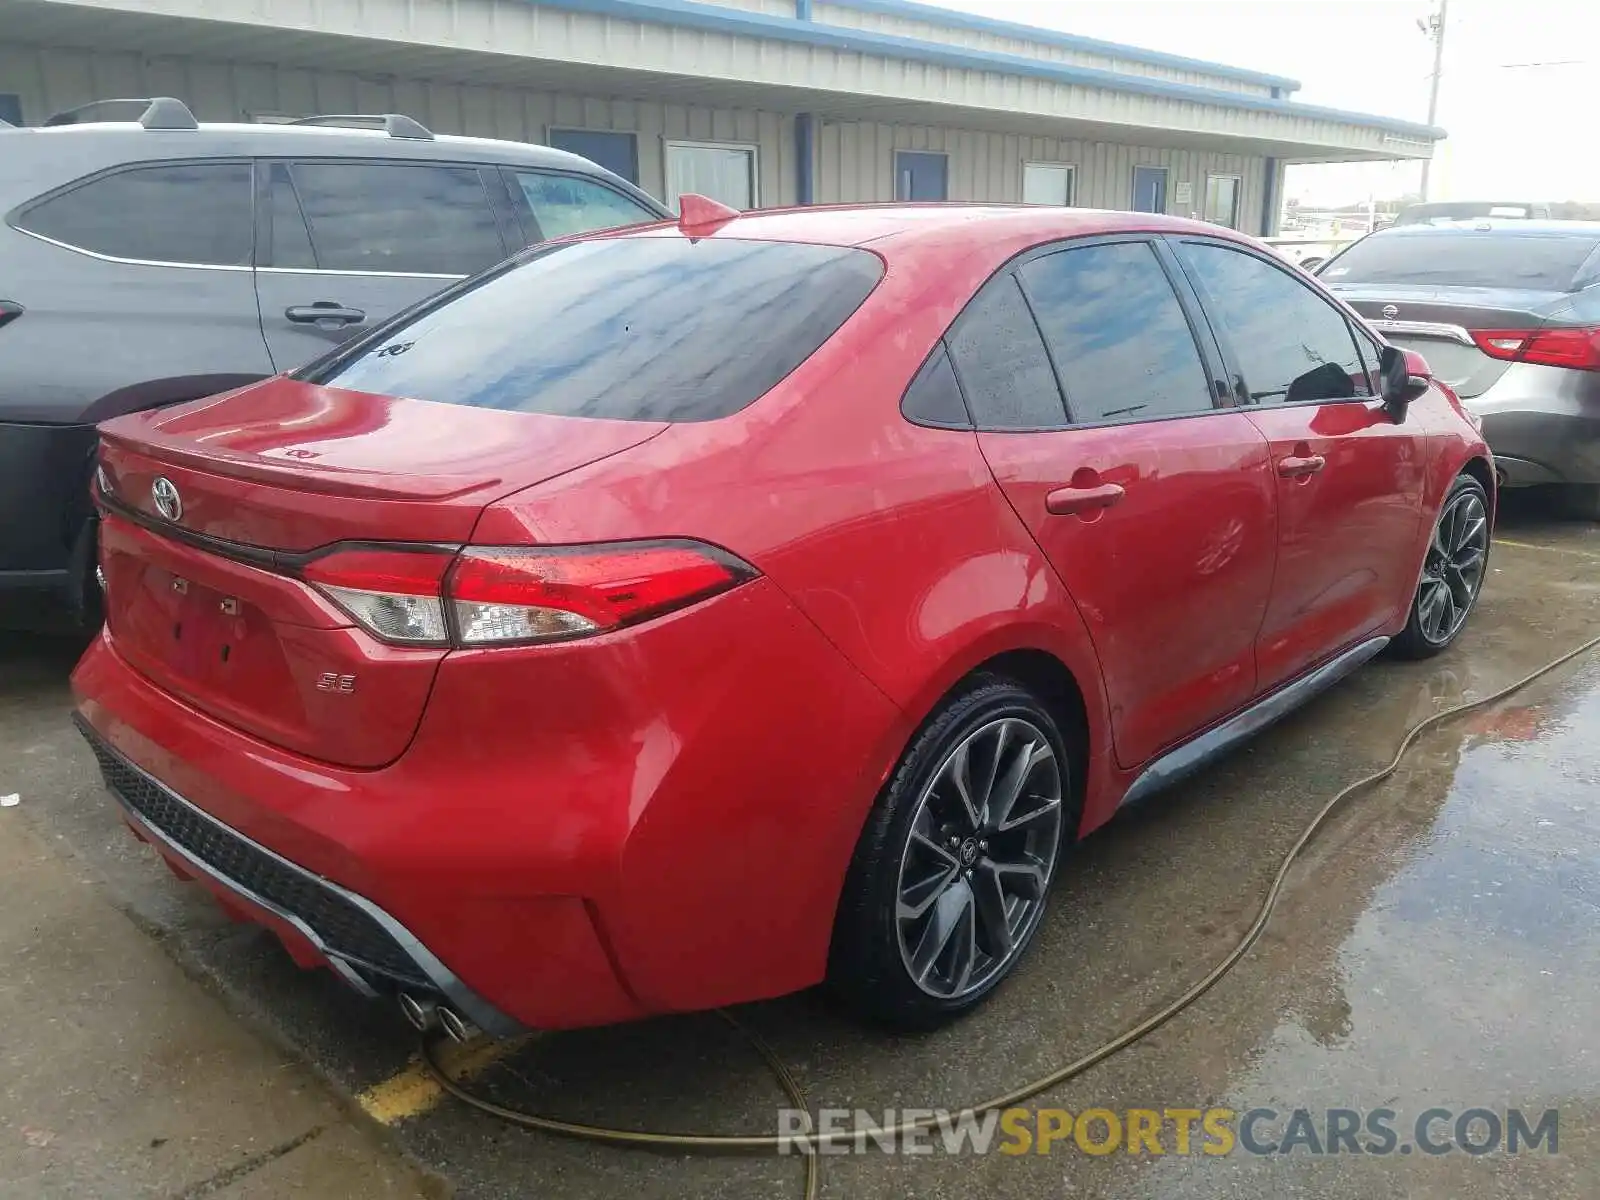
(635, 48)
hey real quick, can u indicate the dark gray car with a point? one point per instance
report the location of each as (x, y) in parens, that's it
(155, 260)
(1508, 314)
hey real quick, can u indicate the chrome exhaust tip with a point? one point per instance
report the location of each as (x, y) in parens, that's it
(458, 1027)
(422, 1014)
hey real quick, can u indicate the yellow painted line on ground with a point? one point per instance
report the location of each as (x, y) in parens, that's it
(415, 1091)
(1500, 541)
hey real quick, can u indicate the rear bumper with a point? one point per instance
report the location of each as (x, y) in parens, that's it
(364, 945)
(657, 820)
(44, 501)
(1543, 424)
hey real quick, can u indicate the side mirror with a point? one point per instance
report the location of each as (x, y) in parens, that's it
(1404, 375)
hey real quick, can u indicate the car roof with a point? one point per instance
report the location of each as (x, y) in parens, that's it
(1511, 227)
(878, 225)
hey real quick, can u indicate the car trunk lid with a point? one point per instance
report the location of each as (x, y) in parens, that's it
(1439, 323)
(213, 507)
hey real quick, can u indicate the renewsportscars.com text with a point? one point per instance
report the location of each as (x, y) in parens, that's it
(1173, 1131)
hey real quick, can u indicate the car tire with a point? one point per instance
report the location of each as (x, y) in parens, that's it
(84, 600)
(1456, 564)
(948, 885)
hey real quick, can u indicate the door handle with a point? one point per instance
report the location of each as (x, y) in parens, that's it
(324, 310)
(1297, 466)
(1068, 500)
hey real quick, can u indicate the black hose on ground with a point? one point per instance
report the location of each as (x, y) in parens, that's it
(809, 1141)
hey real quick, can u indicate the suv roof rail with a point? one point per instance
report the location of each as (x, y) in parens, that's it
(155, 112)
(396, 125)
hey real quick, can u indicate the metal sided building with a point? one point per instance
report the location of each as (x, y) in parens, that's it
(755, 102)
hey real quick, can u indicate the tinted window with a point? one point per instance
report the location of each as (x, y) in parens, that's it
(415, 218)
(1464, 258)
(649, 329)
(1292, 345)
(290, 241)
(1118, 333)
(568, 204)
(181, 213)
(616, 152)
(1465, 210)
(934, 397)
(1004, 370)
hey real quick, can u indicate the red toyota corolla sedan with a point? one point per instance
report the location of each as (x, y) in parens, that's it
(692, 614)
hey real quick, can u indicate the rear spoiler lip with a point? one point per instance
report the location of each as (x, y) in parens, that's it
(301, 476)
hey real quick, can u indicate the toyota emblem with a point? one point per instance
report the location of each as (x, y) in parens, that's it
(168, 502)
(1390, 312)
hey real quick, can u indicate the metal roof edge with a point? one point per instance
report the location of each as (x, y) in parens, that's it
(711, 17)
(936, 15)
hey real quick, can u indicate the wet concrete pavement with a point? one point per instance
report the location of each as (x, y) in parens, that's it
(1437, 948)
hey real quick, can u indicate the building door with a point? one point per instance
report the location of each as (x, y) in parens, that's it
(1150, 189)
(920, 177)
(616, 152)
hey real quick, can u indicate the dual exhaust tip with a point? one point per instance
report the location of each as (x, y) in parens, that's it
(426, 1015)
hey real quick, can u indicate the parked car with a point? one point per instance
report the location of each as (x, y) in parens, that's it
(791, 591)
(1508, 314)
(158, 260)
(1446, 211)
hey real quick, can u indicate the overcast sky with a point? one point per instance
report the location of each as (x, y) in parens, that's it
(1516, 131)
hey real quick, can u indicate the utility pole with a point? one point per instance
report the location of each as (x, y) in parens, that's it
(1434, 28)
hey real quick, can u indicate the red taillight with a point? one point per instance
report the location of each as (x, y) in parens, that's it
(392, 593)
(508, 595)
(9, 312)
(542, 594)
(1575, 347)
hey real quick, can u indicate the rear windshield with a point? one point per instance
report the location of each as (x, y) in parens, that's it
(1421, 214)
(1464, 259)
(644, 329)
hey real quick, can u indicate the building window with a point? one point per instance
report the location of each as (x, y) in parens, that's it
(11, 108)
(921, 176)
(616, 152)
(1048, 183)
(1222, 200)
(722, 171)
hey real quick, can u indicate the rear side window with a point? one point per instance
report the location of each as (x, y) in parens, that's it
(197, 213)
(1001, 362)
(1118, 334)
(934, 397)
(566, 204)
(1464, 258)
(287, 235)
(1292, 345)
(644, 329)
(406, 218)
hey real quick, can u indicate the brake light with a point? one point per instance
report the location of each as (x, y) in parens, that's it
(544, 594)
(391, 593)
(430, 596)
(1575, 347)
(9, 312)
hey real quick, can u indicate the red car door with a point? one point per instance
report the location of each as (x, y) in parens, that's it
(1349, 479)
(1154, 506)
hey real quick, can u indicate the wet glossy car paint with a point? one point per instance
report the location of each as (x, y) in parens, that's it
(660, 818)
